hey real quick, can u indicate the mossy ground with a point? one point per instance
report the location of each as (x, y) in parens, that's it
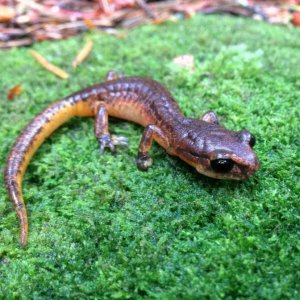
(101, 229)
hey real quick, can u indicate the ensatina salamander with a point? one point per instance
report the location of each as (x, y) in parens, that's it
(202, 143)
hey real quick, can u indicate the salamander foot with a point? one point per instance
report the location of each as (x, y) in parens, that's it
(119, 140)
(110, 141)
(144, 161)
(106, 142)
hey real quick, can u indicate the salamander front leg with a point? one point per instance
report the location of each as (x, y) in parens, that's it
(151, 132)
(102, 132)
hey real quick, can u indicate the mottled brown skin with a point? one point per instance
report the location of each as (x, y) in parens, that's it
(146, 102)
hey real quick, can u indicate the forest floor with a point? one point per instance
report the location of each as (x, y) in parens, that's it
(101, 229)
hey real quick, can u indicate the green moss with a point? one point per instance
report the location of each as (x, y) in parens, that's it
(99, 228)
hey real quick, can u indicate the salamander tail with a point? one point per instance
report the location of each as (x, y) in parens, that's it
(28, 143)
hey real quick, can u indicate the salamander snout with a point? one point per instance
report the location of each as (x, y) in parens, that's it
(219, 153)
(232, 158)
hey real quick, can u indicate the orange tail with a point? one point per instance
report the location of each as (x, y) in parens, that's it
(28, 143)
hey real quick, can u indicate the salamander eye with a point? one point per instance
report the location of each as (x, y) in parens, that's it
(221, 165)
(252, 141)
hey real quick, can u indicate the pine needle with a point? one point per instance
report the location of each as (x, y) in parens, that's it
(47, 65)
(83, 54)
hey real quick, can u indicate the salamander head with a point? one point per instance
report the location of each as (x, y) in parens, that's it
(217, 152)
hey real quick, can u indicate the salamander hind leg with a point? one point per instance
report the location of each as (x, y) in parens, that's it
(144, 161)
(210, 117)
(102, 132)
(112, 75)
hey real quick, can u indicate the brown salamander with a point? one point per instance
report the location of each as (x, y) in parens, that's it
(202, 143)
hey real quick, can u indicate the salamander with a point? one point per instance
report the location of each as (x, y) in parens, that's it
(202, 143)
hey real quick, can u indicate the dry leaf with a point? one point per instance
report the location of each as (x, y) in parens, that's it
(6, 13)
(47, 65)
(83, 54)
(185, 61)
(296, 18)
(89, 23)
(14, 92)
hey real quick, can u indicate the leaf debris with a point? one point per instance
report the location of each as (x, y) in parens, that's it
(24, 22)
(14, 92)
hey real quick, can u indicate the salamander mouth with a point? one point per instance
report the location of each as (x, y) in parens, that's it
(247, 172)
(237, 173)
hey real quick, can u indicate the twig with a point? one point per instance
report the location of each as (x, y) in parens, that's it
(17, 43)
(104, 5)
(142, 4)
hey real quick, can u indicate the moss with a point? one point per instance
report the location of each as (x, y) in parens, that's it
(99, 228)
